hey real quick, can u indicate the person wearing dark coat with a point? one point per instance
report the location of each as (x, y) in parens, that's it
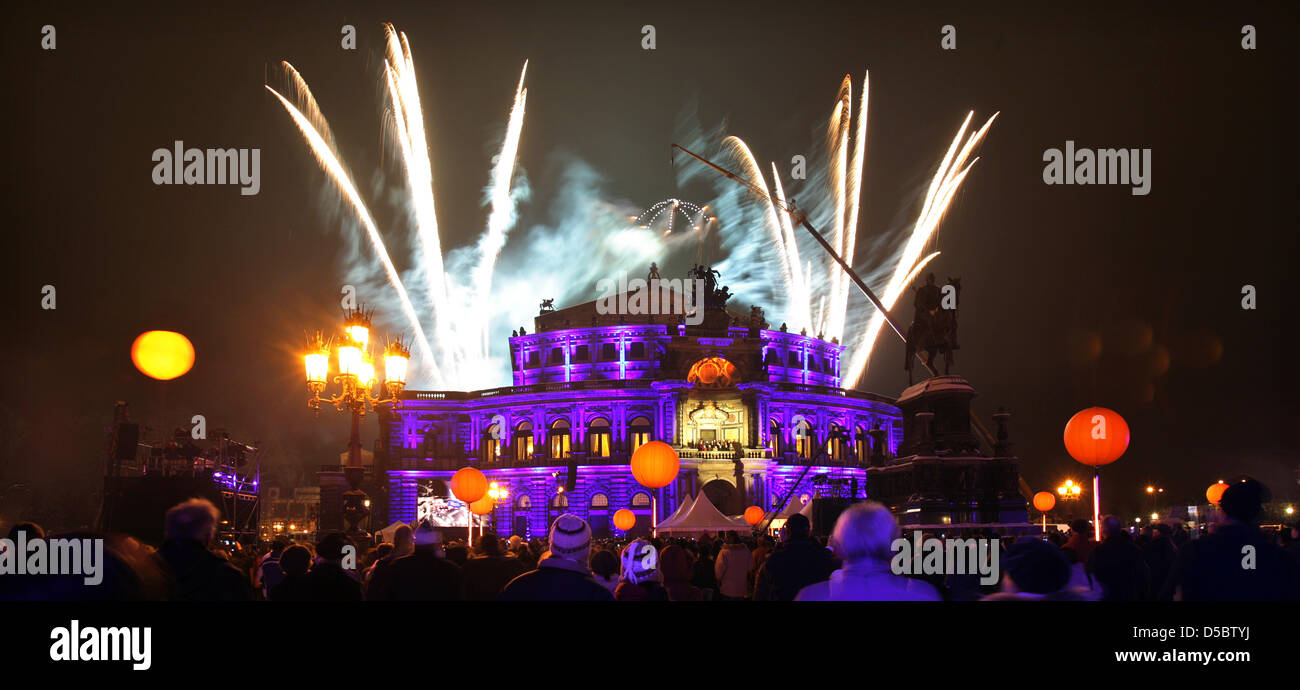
(425, 574)
(562, 576)
(487, 574)
(799, 562)
(327, 579)
(1159, 556)
(194, 573)
(294, 586)
(1212, 568)
(1117, 564)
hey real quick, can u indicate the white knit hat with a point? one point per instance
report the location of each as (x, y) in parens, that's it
(570, 538)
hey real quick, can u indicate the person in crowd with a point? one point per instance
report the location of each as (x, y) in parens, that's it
(377, 580)
(269, 573)
(604, 568)
(196, 573)
(800, 562)
(1081, 541)
(294, 586)
(425, 574)
(457, 553)
(1034, 570)
(675, 567)
(373, 556)
(702, 572)
(1159, 556)
(863, 538)
(563, 575)
(1291, 540)
(489, 572)
(327, 578)
(1213, 568)
(1117, 564)
(732, 568)
(641, 577)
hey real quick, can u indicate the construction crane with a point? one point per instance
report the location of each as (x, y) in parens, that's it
(801, 218)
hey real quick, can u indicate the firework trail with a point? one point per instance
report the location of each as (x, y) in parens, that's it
(952, 171)
(459, 311)
(502, 216)
(325, 154)
(818, 300)
(408, 124)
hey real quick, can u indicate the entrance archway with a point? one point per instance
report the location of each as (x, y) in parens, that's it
(725, 497)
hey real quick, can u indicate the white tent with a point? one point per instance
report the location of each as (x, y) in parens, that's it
(703, 516)
(682, 509)
(795, 506)
(386, 534)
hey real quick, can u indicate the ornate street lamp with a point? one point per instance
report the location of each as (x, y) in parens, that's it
(355, 378)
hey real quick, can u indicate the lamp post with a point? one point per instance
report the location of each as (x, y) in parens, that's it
(355, 378)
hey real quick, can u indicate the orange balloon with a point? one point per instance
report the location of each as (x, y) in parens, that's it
(483, 506)
(468, 484)
(655, 464)
(1215, 492)
(753, 515)
(1044, 501)
(1096, 436)
(162, 355)
(624, 519)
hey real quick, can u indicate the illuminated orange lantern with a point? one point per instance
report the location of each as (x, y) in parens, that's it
(753, 515)
(163, 355)
(655, 464)
(1044, 501)
(1215, 492)
(483, 506)
(624, 519)
(469, 485)
(1096, 436)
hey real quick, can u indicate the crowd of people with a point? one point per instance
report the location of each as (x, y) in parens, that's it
(1233, 561)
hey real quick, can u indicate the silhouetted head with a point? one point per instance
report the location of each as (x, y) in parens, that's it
(798, 526)
(1244, 500)
(295, 560)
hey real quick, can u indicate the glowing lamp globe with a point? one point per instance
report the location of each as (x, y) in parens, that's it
(163, 355)
(468, 485)
(483, 506)
(1096, 436)
(655, 464)
(753, 515)
(624, 519)
(1214, 494)
(1044, 501)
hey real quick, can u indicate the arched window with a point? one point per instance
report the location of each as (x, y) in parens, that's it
(639, 432)
(640, 500)
(524, 441)
(599, 436)
(559, 437)
(803, 438)
(524, 503)
(560, 501)
(835, 442)
(774, 436)
(492, 443)
(600, 501)
(861, 443)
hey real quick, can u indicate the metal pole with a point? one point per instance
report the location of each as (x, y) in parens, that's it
(1096, 502)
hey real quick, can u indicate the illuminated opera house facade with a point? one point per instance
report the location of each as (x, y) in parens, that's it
(756, 414)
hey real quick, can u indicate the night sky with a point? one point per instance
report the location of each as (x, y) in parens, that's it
(1049, 272)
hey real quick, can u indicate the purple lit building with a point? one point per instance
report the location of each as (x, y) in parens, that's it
(756, 414)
